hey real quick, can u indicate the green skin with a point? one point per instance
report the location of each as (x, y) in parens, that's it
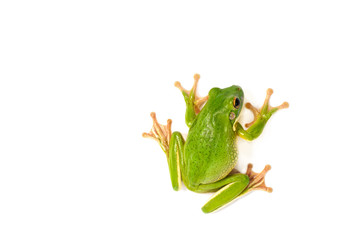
(205, 159)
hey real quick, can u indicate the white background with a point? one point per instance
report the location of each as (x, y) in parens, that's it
(78, 80)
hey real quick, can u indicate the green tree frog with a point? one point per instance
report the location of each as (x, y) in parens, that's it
(204, 160)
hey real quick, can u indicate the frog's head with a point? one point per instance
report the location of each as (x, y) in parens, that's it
(230, 100)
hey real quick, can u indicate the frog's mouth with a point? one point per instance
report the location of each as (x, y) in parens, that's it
(236, 121)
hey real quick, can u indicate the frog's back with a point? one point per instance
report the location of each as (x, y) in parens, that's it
(210, 149)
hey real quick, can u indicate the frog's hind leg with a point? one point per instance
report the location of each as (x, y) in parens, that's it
(193, 101)
(176, 159)
(172, 144)
(227, 190)
(234, 186)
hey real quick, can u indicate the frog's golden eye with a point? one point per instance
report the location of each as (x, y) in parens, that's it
(236, 102)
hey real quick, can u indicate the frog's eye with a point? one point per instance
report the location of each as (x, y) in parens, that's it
(236, 102)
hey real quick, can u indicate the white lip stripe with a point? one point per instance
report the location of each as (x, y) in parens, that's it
(235, 122)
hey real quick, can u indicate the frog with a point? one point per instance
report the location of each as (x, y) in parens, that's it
(205, 161)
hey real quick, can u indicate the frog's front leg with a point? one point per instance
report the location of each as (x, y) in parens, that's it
(193, 101)
(261, 117)
(173, 146)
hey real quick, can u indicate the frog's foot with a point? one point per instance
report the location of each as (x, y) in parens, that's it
(192, 95)
(266, 110)
(160, 133)
(257, 180)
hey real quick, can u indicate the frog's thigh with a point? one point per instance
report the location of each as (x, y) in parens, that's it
(231, 187)
(176, 156)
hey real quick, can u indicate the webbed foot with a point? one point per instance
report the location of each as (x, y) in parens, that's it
(191, 95)
(160, 133)
(257, 180)
(266, 110)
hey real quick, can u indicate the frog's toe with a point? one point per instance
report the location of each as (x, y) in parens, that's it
(257, 180)
(181, 88)
(192, 95)
(282, 106)
(160, 133)
(268, 96)
(255, 112)
(194, 88)
(266, 108)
